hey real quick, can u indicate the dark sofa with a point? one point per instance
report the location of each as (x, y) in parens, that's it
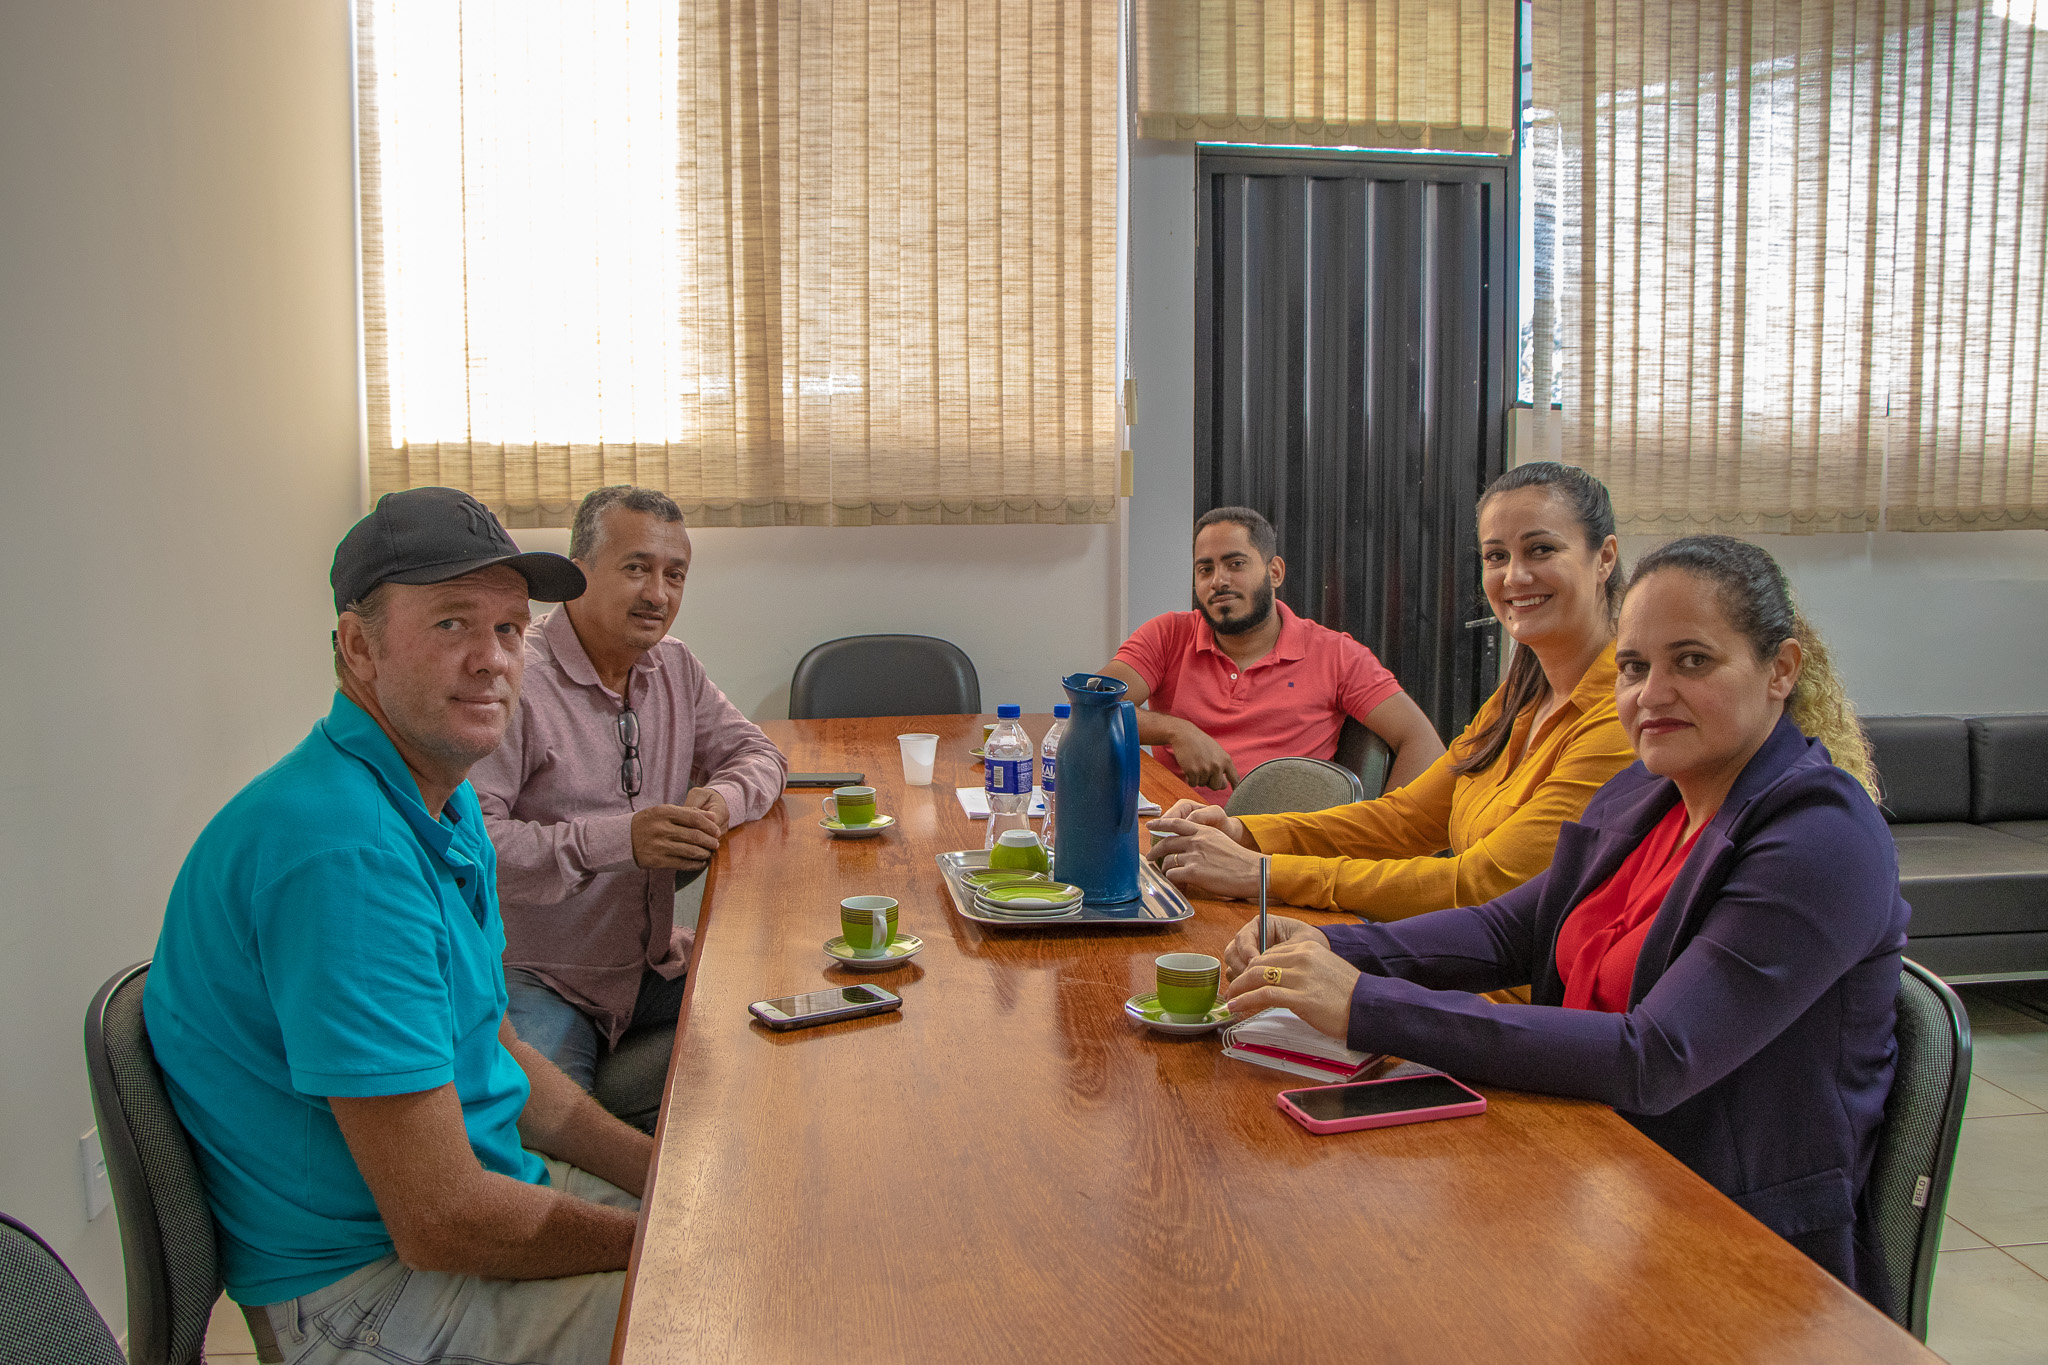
(1967, 799)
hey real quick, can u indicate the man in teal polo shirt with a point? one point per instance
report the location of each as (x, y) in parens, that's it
(328, 1005)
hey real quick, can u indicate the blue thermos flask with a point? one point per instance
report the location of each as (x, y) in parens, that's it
(1095, 823)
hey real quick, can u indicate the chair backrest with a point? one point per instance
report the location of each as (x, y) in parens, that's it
(884, 675)
(167, 1235)
(1916, 1145)
(1366, 754)
(1284, 784)
(44, 1315)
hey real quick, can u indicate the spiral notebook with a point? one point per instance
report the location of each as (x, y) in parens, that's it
(1284, 1041)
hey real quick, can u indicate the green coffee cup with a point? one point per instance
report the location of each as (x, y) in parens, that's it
(869, 923)
(851, 806)
(1019, 850)
(1187, 985)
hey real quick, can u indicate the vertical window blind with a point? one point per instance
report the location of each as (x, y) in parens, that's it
(1366, 73)
(1791, 258)
(795, 263)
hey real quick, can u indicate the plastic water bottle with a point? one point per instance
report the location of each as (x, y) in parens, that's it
(1007, 767)
(1048, 765)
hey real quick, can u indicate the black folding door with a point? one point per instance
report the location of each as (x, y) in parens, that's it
(1351, 383)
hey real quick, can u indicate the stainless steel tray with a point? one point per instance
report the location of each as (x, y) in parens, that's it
(1159, 901)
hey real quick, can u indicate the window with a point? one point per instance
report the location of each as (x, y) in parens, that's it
(818, 263)
(1792, 258)
(1426, 74)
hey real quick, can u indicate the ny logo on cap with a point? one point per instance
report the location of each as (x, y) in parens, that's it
(481, 521)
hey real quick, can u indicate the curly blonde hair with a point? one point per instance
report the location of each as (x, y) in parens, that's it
(1758, 602)
(1820, 707)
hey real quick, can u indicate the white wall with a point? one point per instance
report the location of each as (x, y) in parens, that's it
(1162, 341)
(1926, 623)
(1029, 604)
(1950, 624)
(178, 455)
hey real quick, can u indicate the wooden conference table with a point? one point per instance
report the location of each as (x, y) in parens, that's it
(1009, 1169)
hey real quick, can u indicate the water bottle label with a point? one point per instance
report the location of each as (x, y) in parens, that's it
(1045, 779)
(1009, 776)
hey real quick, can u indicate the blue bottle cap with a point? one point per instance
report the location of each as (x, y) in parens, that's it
(1009, 711)
(1062, 710)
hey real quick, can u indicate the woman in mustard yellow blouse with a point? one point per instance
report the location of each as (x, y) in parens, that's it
(1532, 758)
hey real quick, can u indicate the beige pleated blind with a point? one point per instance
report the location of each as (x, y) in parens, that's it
(1367, 73)
(1791, 259)
(820, 263)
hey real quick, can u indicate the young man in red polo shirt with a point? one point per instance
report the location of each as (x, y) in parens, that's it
(1243, 679)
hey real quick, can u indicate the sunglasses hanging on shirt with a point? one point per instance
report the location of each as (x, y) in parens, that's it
(629, 739)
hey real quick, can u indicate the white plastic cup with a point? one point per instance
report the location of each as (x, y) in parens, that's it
(918, 753)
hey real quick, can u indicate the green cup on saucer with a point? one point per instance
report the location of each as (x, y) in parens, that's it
(1187, 985)
(851, 806)
(1018, 850)
(869, 923)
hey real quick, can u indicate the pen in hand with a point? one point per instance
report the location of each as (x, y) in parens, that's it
(1263, 862)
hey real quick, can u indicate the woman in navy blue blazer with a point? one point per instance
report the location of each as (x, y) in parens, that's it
(1714, 949)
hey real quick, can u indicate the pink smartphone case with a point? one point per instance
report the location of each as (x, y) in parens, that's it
(1477, 1105)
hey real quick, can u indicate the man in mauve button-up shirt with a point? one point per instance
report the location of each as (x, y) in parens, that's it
(623, 766)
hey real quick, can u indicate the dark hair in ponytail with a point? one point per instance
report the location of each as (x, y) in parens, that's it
(1757, 601)
(1585, 497)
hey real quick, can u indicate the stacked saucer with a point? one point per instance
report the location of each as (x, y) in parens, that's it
(1023, 895)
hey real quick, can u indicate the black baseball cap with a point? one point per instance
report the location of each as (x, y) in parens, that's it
(430, 535)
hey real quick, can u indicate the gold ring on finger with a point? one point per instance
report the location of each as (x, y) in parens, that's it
(1273, 975)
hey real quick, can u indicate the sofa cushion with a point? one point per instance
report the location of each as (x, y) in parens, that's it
(1965, 879)
(2023, 829)
(2008, 768)
(1923, 766)
(1993, 957)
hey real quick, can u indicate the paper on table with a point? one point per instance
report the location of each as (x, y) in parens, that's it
(974, 801)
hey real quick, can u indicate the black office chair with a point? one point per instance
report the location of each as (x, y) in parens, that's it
(167, 1233)
(1916, 1145)
(1288, 784)
(1366, 754)
(44, 1316)
(884, 675)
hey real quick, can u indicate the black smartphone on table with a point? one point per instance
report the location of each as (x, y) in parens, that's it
(823, 779)
(822, 1007)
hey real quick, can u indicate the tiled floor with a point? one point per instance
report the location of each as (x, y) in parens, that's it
(227, 1337)
(1991, 1284)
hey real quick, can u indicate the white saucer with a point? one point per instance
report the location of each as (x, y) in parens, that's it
(1029, 905)
(1029, 915)
(868, 831)
(902, 950)
(1217, 1018)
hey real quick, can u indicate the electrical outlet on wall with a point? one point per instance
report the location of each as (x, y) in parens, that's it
(92, 1167)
